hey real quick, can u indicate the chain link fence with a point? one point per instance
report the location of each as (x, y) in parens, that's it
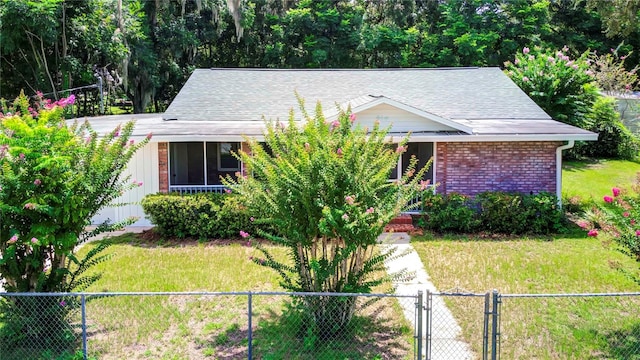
(569, 326)
(242, 325)
(277, 325)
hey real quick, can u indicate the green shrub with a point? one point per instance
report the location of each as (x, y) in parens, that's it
(203, 215)
(494, 212)
(614, 139)
(514, 213)
(449, 213)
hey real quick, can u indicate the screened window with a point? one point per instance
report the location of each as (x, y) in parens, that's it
(423, 151)
(201, 163)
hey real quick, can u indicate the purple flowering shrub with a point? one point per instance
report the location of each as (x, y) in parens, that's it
(323, 188)
(562, 86)
(618, 217)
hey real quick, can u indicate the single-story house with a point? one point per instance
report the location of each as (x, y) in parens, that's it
(482, 131)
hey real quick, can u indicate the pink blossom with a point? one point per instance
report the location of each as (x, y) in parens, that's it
(607, 199)
(13, 239)
(335, 123)
(583, 224)
(345, 217)
(34, 240)
(244, 234)
(551, 59)
(149, 135)
(401, 149)
(592, 233)
(37, 182)
(252, 219)
(525, 79)
(531, 57)
(248, 243)
(71, 99)
(21, 156)
(339, 151)
(352, 117)
(424, 184)
(574, 66)
(615, 191)
(525, 50)
(228, 191)
(369, 211)
(63, 303)
(637, 232)
(29, 206)
(131, 142)
(632, 222)
(349, 199)
(307, 146)
(139, 183)
(625, 214)
(516, 61)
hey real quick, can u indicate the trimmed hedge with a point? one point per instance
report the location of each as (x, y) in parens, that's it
(204, 216)
(494, 212)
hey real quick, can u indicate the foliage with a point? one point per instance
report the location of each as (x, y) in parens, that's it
(54, 177)
(205, 216)
(611, 74)
(494, 212)
(323, 187)
(615, 141)
(618, 216)
(563, 87)
(620, 17)
(145, 50)
(449, 213)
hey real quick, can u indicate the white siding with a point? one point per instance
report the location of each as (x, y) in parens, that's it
(142, 167)
(401, 120)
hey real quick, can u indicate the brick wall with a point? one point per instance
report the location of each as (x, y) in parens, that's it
(471, 168)
(163, 166)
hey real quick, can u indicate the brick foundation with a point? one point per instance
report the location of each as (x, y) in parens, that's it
(471, 168)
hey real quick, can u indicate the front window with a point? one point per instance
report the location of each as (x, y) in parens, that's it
(423, 151)
(201, 163)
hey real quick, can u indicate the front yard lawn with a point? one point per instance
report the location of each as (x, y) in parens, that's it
(540, 328)
(216, 327)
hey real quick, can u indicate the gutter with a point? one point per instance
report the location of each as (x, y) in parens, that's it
(559, 149)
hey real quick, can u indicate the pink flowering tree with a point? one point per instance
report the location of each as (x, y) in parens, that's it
(323, 188)
(562, 86)
(618, 217)
(54, 177)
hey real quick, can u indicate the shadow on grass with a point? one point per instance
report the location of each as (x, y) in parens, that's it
(151, 239)
(623, 344)
(282, 336)
(581, 165)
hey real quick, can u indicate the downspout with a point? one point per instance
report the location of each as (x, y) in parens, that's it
(559, 149)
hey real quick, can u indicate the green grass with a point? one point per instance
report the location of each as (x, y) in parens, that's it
(595, 179)
(538, 328)
(216, 327)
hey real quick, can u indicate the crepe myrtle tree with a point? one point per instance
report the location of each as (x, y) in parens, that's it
(54, 177)
(323, 189)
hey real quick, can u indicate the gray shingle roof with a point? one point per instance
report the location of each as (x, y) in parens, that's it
(482, 98)
(233, 102)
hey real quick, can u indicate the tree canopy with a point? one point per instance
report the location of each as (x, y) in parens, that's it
(144, 50)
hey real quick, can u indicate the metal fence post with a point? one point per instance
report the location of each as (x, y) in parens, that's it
(419, 325)
(495, 330)
(84, 326)
(249, 315)
(429, 328)
(485, 331)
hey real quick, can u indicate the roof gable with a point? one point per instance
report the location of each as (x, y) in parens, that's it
(400, 117)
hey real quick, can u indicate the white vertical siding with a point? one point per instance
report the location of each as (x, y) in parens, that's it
(142, 167)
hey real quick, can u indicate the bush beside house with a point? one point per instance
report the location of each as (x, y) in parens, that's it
(493, 212)
(203, 216)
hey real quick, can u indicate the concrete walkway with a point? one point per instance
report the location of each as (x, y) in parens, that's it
(446, 338)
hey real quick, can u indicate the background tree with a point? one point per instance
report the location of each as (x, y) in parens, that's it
(324, 191)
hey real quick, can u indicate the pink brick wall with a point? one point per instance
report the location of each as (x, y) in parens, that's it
(471, 168)
(163, 166)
